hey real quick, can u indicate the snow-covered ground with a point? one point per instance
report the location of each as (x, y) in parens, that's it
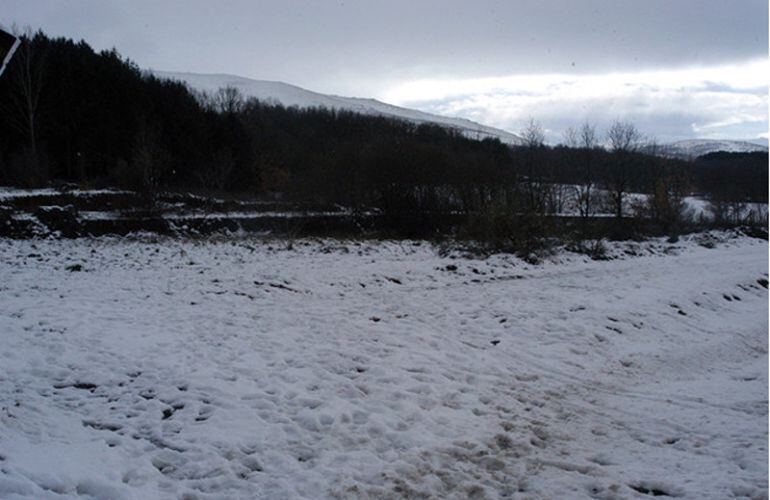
(160, 368)
(9, 193)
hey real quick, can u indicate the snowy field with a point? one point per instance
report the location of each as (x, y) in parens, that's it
(142, 369)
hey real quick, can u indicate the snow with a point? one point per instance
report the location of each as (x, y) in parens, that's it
(695, 207)
(9, 193)
(692, 148)
(250, 368)
(190, 215)
(291, 95)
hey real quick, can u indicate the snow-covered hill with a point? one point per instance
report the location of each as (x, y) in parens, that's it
(291, 95)
(692, 148)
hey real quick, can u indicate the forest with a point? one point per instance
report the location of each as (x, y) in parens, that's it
(74, 115)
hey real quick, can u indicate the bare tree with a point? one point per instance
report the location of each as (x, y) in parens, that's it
(624, 140)
(28, 81)
(228, 100)
(533, 134)
(27, 76)
(205, 99)
(585, 142)
(719, 209)
(666, 203)
(534, 176)
(623, 136)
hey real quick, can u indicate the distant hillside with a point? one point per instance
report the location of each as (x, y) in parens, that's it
(693, 148)
(291, 95)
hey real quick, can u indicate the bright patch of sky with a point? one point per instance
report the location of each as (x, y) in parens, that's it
(721, 101)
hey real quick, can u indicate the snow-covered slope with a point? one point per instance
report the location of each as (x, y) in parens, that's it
(162, 368)
(291, 95)
(692, 148)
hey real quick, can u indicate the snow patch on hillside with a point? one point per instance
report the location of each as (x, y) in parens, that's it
(692, 148)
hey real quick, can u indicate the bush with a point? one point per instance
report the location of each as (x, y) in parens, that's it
(595, 249)
(499, 228)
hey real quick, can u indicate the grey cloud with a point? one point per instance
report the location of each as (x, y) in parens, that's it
(314, 43)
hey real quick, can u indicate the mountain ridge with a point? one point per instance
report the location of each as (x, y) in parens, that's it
(693, 148)
(290, 95)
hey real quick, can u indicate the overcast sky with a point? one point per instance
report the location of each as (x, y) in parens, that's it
(678, 68)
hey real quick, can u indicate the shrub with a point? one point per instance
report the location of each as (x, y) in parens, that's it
(499, 228)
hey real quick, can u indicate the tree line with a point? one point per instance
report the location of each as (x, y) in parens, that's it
(72, 114)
